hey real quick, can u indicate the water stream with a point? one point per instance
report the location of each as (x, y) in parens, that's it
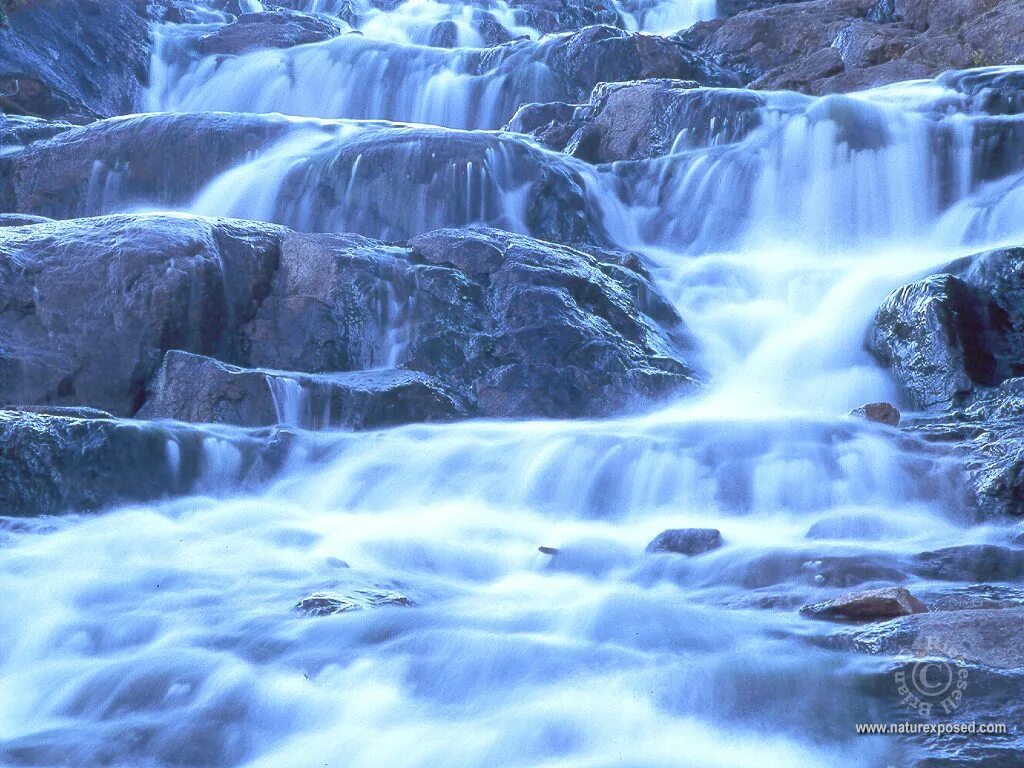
(176, 644)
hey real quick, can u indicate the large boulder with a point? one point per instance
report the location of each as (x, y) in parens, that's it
(54, 464)
(642, 119)
(835, 46)
(74, 61)
(160, 159)
(88, 307)
(952, 335)
(200, 389)
(271, 29)
(380, 180)
(508, 325)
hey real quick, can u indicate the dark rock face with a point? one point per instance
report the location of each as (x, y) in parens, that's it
(273, 29)
(57, 464)
(199, 389)
(950, 335)
(686, 541)
(870, 605)
(566, 15)
(880, 413)
(835, 46)
(74, 61)
(510, 326)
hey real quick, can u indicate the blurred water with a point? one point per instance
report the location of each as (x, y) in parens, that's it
(164, 634)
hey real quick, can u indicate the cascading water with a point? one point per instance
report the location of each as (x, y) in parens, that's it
(175, 643)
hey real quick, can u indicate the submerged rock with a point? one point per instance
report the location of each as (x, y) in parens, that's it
(329, 603)
(978, 563)
(869, 605)
(686, 541)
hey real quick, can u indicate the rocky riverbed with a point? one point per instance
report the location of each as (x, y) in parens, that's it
(429, 382)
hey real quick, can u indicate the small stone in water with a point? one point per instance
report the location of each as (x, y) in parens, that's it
(548, 550)
(686, 541)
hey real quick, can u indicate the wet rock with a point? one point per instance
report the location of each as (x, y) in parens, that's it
(949, 335)
(163, 159)
(74, 61)
(566, 15)
(972, 597)
(272, 29)
(491, 31)
(837, 46)
(686, 541)
(880, 413)
(21, 220)
(1017, 537)
(482, 322)
(978, 563)
(90, 306)
(329, 603)
(988, 637)
(548, 550)
(870, 605)
(59, 464)
(445, 34)
(517, 326)
(199, 389)
(862, 527)
(602, 54)
(643, 119)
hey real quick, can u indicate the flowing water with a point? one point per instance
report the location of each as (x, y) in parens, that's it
(164, 634)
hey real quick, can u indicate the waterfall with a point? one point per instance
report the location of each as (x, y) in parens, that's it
(167, 634)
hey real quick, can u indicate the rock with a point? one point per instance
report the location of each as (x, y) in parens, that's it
(550, 16)
(686, 541)
(166, 159)
(1017, 537)
(641, 120)
(272, 29)
(859, 527)
(987, 637)
(880, 413)
(445, 34)
(870, 605)
(517, 326)
(837, 46)
(482, 322)
(491, 31)
(949, 335)
(199, 389)
(603, 54)
(548, 550)
(978, 563)
(329, 603)
(21, 220)
(161, 158)
(74, 61)
(59, 464)
(90, 306)
(989, 434)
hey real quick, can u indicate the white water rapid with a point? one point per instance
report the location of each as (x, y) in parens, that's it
(164, 634)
